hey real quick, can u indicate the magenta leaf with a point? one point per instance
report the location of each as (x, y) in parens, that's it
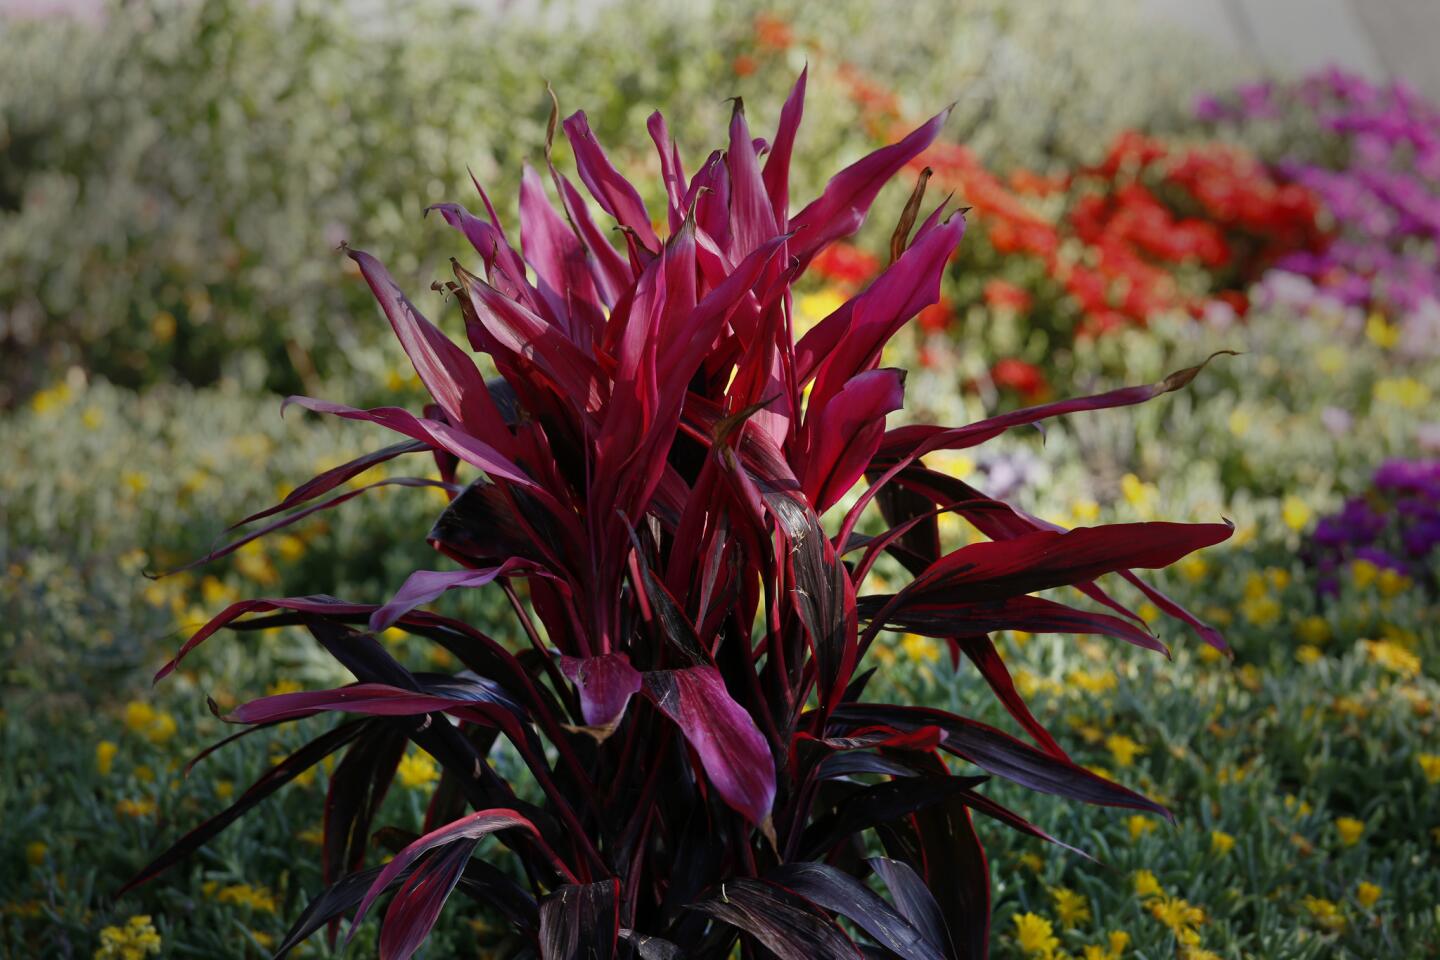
(731, 748)
(605, 684)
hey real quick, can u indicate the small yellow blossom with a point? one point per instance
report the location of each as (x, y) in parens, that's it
(1032, 862)
(1193, 568)
(1308, 653)
(290, 547)
(1221, 843)
(1325, 914)
(1314, 630)
(1139, 494)
(92, 418)
(1298, 806)
(1071, 908)
(1363, 573)
(314, 836)
(134, 482)
(1085, 510)
(224, 789)
(1392, 657)
(1123, 749)
(134, 941)
(1260, 611)
(417, 769)
(1114, 949)
(1238, 422)
(157, 726)
(1279, 577)
(1379, 332)
(35, 852)
(1146, 885)
(920, 649)
(252, 563)
(1035, 935)
(284, 685)
(1366, 893)
(1330, 359)
(1392, 582)
(135, 808)
(1148, 612)
(1349, 830)
(105, 752)
(1430, 766)
(51, 398)
(1138, 824)
(1405, 392)
(1180, 916)
(1092, 681)
(1295, 512)
(244, 895)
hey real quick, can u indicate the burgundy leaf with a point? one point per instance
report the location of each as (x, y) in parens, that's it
(789, 926)
(421, 897)
(580, 922)
(731, 748)
(837, 891)
(612, 191)
(605, 684)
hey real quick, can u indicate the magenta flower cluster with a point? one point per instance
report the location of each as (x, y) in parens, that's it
(1394, 526)
(1371, 154)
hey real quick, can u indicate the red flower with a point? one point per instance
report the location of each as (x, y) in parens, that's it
(744, 65)
(846, 263)
(1024, 378)
(937, 317)
(1003, 295)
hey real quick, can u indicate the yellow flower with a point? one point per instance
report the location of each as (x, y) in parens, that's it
(1148, 612)
(1139, 825)
(215, 593)
(314, 836)
(1221, 842)
(1238, 422)
(1313, 630)
(1403, 392)
(1363, 573)
(134, 941)
(1180, 916)
(135, 482)
(1382, 334)
(1330, 359)
(1367, 893)
(35, 852)
(284, 685)
(1261, 611)
(1325, 914)
(105, 752)
(1139, 494)
(135, 808)
(51, 398)
(1392, 582)
(1123, 749)
(290, 547)
(811, 308)
(1296, 805)
(1114, 949)
(251, 898)
(224, 789)
(1194, 568)
(1085, 510)
(157, 726)
(920, 649)
(1430, 766)
(417, 769)
(162, 326)
(92, 418)
(1295, 512)
(1308, 653)
(1031, 862)
(1035, 935)
(1092, 681)
(1392, 657)
(1146, 885)
(1350, 830)
(1071, 908)
(393, 635)
(252, 563)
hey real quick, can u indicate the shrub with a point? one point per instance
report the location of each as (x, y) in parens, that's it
(698, 761)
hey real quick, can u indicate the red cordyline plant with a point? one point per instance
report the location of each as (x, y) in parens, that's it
(652, 467)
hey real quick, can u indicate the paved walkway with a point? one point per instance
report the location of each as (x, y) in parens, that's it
(1379, 38)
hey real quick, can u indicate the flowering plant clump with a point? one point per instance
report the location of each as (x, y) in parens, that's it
(1388, 538)
(666, 485)
(1371, 155)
